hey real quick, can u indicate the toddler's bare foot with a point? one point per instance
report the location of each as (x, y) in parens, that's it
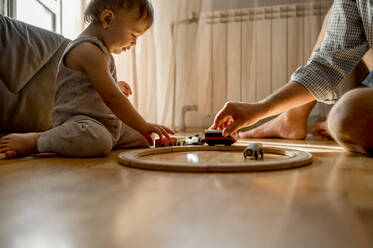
(321, 128)
(14, 145)
(283, 126)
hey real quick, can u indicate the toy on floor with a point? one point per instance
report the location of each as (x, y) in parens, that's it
(212, 138)
(172, 141)
(165, 142)
(215, 137)
(253, 150)
(195, 140)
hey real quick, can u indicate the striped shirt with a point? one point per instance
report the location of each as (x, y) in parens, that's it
(348, 37)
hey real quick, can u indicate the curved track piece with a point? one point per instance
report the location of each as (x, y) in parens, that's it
(187, 159)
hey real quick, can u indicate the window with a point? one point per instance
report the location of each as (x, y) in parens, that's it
(42, 13)
(61, 16)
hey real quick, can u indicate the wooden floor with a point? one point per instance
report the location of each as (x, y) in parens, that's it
(59, 202)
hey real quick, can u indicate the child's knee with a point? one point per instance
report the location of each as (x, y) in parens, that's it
(94, 141)
(81, 138)
(99, 147)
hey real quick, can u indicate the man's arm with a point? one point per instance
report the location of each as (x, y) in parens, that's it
(343, 47)
(234, 115)
(289, 96)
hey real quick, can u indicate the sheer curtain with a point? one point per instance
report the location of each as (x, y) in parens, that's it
(201, 53)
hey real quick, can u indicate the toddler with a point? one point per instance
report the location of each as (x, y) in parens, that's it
(92, 114)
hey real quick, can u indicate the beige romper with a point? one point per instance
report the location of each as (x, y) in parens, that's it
(83, 126)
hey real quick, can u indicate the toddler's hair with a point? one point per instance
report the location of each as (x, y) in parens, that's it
(95, 7)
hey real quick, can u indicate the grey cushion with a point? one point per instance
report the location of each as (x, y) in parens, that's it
(28, 65)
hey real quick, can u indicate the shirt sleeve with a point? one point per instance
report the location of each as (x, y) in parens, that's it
(343, 47)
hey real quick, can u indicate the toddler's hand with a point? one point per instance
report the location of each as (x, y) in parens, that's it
(125, 88)
(155, 128)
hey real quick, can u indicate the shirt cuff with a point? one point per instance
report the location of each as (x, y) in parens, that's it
(318, 86)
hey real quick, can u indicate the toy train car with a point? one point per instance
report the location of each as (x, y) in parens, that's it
(172, 141)
(195, 140)
(253, 150)
(215, 137)
(212, 138)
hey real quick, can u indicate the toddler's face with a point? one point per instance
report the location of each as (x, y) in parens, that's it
(122, 33)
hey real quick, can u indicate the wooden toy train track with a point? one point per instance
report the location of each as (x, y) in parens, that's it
(213, 159)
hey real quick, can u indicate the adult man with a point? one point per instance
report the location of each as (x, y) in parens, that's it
(348, 36)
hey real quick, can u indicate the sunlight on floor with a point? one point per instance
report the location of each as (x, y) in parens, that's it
(304, 147)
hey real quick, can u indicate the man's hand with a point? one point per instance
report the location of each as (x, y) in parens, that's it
(236, 115)
(155, 128)
(125, 88)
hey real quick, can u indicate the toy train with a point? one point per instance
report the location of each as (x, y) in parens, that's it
(172, 141)
(212, 138)
(195, 140)
(215, 137)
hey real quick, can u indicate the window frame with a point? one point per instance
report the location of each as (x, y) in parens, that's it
(8, 8)
(2, 7)
(52, 6)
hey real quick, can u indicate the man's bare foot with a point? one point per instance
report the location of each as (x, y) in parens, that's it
(283, 126)
(321, 128)
(15, 145)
